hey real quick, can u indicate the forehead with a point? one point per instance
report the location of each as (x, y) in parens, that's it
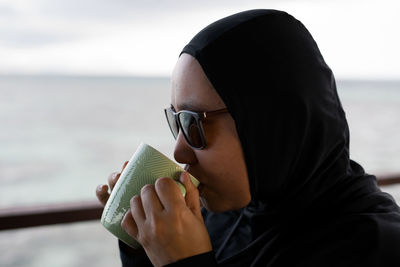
(190, 87)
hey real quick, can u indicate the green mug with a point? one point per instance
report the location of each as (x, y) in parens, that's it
(145, 167)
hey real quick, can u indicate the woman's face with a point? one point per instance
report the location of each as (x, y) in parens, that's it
(220, 166)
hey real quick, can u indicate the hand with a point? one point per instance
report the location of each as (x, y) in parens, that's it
(167, 225)
(102, 190)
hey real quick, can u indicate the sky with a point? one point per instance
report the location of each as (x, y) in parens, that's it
(359, 39)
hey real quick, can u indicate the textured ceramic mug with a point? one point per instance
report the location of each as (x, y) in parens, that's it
(145, 167)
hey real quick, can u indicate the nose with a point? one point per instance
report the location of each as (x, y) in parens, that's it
(183, 152)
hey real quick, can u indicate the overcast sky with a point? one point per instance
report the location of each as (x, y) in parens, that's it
(358, 38)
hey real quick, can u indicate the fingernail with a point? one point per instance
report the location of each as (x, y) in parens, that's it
(124, 165)
(123, 221)
(182, 177)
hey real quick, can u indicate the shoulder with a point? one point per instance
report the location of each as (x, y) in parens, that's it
(365, 240)
(355, 240)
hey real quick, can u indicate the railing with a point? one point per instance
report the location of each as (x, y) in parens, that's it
(388, 179)
(39, 215)
(22, 217)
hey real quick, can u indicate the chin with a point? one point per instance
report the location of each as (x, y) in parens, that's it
(215, 205)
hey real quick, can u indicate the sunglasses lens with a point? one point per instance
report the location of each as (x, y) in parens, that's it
(173, 124)
(191, 129)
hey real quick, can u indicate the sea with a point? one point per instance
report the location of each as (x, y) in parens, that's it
(61, 136)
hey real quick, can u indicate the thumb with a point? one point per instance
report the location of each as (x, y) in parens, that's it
(192, 194)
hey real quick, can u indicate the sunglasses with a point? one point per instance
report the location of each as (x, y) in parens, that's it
(190, 123)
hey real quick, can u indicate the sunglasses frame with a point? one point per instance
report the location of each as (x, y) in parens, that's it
(199, 118)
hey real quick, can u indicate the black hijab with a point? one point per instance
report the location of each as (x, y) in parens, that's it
(311, 205)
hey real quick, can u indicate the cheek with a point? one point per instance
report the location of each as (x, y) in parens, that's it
(226, 179)
(223, 167)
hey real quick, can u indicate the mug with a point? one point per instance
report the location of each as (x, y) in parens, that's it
(145, 167)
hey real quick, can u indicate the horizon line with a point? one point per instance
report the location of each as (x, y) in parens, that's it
(156, 76)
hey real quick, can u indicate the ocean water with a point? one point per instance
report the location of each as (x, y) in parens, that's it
(61, 136)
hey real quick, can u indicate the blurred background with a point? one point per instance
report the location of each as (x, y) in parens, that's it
(82, 83)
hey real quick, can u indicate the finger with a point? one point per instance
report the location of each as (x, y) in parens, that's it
(192, 194)
(112, 179)
(169, 193)
(102, 193)
(137, 211)
(123, 166)
(129, 225)
(151, 203)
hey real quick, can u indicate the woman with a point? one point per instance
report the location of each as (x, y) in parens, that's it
(277, 184)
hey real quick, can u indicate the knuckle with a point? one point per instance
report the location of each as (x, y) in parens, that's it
(156, 229)
(112, 176)
(143, 239)
(152, 231)
(100, 196)
(163, 181)
(145, 236)
(147, 188)
(178, 217)
(99, 190)
(135, 200)
(124, 224)
(192, 189)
